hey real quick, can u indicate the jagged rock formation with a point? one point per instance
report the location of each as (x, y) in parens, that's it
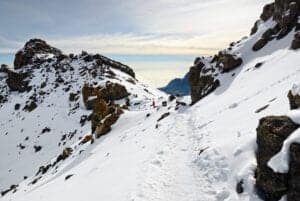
(271, 133)
(47, 87)
(32, 48)
(201, 80)
(285, 13)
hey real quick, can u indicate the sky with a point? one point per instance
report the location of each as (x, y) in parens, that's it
(180, 27)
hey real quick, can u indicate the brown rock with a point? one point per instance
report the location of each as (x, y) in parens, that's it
(271, 133)
(294, 101)
(228, 61)
(201, 85)
(31, 48)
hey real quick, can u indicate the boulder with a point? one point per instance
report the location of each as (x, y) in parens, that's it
(294, 100)
(109, 92)
(228, 61)
(32, 47)
(294, 173)
(271, 133)
(296, 42)
(16, 81)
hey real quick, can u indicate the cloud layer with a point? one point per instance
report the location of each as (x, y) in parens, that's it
(128, 27)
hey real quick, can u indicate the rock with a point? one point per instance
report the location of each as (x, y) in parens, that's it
(240, 187)
(16, 81)
(164, 103)
(296, 42)
(17, 106)
(99, 112)
(105, 125)
(29, 107)
(260, 44)
(37, 148)
(294, 173)
(163, 116)
(268, 11)
(110, 92)
(86, 139)
(228, 61)
(271, 133)
(294, 100)
(201, 85)
(254, 28)
(73, 97)
(46, 130)
(31, 48)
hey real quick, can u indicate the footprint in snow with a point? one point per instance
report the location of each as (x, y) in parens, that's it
(157, 163)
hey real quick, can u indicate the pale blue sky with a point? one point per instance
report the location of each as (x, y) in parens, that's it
(128, 27)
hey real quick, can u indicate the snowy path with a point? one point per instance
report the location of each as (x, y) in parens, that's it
(178, 172)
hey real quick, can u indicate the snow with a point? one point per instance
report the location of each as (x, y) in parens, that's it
(197, 153)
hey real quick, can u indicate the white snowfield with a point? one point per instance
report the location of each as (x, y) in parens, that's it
(197, 153)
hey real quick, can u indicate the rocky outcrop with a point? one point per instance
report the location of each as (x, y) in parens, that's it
(201, 85)
(294, 100)
(228, 62)
(294, 173)
(109, 92)
(32, 48)
(271, 133)
(285, 13)
(105, 120)
(16, 81)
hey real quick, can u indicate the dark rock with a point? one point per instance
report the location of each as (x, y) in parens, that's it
(296, 42)
(294, 100)
(228, 61)
(258, 65)
(260, 44)
(46, 130)
(83, 120)
(240, 187)
(37, 148)
(17, 106)
(163, 116)
(201, 85)
(164, 103)
(16, 81)
(271, 133)
(29, 107)
(73, 97)
(254, 28)
(294, 173)
(69, 176)
(268, 11)
(31, 48)
(171, 98)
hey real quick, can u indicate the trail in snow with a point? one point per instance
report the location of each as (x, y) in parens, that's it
(180, 169)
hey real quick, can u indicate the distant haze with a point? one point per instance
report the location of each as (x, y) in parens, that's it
(128, 27)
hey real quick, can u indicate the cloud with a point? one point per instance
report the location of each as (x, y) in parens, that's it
(128, 27)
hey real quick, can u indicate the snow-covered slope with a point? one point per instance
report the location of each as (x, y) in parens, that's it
(154, 152)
